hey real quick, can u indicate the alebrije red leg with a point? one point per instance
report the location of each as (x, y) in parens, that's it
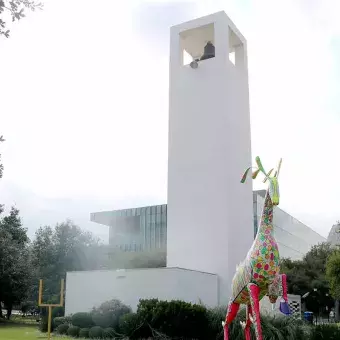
(284, 287)
(231, 314)
(284, 306)
(248, 323)
(254, 292)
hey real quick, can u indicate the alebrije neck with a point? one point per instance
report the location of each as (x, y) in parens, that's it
(266, 224)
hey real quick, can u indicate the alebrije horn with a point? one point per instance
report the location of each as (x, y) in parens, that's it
(259, 164)
(244, 177)
(268, 174)
(278, 168)
(255, 173)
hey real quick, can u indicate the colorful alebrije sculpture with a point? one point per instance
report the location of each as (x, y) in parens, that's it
(259, 274)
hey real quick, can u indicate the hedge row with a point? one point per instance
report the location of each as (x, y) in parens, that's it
(179, 319)
(95, 332)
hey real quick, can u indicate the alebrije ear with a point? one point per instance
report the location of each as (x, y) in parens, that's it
(268, 174)
(255, 173)
(259, 164)
(244, 177)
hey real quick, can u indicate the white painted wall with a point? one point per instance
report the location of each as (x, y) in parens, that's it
(210, 213)
(87, 289)
(294, 238)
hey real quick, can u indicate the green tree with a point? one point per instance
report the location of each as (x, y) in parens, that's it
(15, 271)
(55, 251)
(309, 276)
(333, 273)
(14, 10)
(333, 277)
(12, 224)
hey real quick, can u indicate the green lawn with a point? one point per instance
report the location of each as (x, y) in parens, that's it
(17, 332)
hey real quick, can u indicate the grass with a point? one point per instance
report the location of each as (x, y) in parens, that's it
(11, 331)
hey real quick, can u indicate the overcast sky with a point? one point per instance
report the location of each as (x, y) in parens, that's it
(84, 104)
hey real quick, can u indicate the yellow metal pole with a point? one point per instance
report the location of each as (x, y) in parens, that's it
(49, 321)
(50, 306)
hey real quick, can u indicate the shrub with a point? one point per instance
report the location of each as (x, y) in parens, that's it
(84, 333)
(145, 311)
(58, 312)
(182, 319)
(82, 320)
(131, 326)
(61, 320)
(62, 329)
(215, 317)
(276, 328)
(109, 333)
(174, 319)
(178, 319)
(289, 328)
(147, 306)
(73, 331)
(115, 306)
(108, 313)
(27, 306)
(104, 320)
(327, 332)
(96, 332)
(43, 325)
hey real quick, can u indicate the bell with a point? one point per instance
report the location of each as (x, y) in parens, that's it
(209, 51)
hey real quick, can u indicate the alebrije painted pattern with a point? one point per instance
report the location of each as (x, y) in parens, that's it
(259, 274)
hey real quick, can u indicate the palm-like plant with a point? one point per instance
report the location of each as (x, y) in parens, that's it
(273, 327)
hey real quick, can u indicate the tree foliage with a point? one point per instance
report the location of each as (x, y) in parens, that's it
(55, 251)
(14, 10)
(333, 273)
(119, 259)
(15, 272)
(308, 274)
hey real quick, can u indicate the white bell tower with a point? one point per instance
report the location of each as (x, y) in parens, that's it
(210, 213)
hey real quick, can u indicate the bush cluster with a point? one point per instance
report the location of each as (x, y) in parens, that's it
(132, 325)
(96, 332)
(109, 333)
(327, 332)
(73, 331)
(101, 323)
(84, 333)
(62, 320)
(63, 329)
(181, 320)
(82, 320)
(175, 319)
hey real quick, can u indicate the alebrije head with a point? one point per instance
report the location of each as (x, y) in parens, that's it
(273, 179)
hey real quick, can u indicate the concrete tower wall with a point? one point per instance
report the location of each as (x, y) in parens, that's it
(210, 217)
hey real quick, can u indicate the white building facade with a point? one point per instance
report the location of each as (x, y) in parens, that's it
(208, 223)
